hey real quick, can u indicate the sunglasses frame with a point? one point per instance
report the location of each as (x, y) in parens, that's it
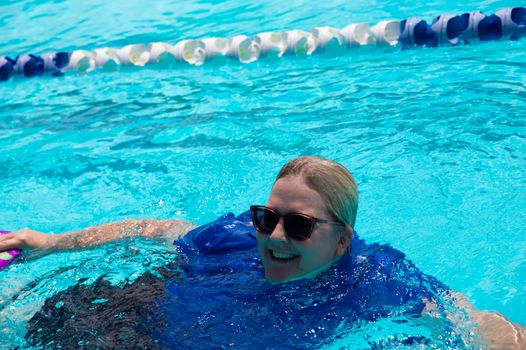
(313, 220)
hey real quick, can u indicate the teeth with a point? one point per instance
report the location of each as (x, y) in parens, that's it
(282, 255)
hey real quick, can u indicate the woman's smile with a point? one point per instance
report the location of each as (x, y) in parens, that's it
(282, 257)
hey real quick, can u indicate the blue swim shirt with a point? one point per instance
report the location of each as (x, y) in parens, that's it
(222, 299)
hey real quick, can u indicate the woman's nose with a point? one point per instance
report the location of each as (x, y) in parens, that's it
(279, 232)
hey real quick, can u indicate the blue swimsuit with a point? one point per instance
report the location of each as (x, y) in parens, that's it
(223, 301)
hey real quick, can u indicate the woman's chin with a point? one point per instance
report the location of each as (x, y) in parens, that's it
(277, 278)
(274, 282)
(276, 275)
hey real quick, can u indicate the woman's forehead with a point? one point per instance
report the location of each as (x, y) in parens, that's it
(291, 193)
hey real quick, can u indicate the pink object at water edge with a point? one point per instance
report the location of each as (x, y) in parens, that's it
(7, 258)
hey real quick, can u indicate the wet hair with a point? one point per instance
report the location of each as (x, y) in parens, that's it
(332, 181)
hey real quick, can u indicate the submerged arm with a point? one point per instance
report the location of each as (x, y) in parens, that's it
(96, 235)
(493, 330)
(498, 332)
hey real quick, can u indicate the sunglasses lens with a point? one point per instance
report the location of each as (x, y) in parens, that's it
(264, 220)
(298, 227)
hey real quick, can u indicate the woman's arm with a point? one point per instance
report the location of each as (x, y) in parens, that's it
(94, 236)
(493, 330)
(498, 332)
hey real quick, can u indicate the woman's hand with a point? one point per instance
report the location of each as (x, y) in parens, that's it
(25, 238)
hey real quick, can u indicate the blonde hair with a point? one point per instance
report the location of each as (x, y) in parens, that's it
(331, 180)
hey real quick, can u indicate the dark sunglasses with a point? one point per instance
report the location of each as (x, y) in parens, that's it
(297, 226)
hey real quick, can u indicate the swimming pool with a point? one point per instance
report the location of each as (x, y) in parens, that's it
(434, 137)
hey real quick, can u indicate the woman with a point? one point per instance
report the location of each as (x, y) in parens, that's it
(304, 232)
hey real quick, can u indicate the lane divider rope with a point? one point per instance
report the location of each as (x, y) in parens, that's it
(444, 30)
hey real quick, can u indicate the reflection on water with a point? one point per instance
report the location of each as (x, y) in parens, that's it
(434, 137)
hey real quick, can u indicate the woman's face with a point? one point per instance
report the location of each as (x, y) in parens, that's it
(286, 259)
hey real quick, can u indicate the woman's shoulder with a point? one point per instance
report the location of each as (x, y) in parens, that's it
(388, 271)
(226, 233)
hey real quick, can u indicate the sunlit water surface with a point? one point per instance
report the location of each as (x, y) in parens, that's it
(436, 139)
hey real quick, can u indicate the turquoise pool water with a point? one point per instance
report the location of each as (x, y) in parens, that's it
(436, 139)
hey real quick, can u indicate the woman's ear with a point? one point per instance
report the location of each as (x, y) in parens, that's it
(344, 241)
